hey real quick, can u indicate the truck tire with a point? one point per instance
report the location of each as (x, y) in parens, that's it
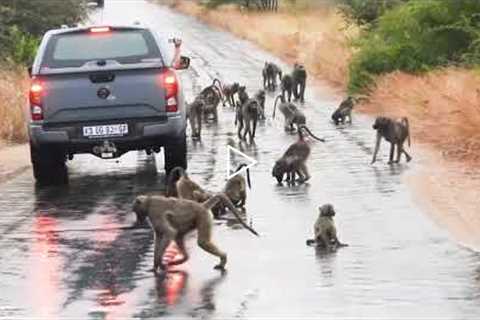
(175, 154)
(48, 165)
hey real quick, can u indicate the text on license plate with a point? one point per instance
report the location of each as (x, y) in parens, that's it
(109, 130)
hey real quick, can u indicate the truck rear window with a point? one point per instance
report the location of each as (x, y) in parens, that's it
(76, 49)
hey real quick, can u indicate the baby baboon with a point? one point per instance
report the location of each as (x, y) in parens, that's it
(260, 98)
(325, 231)
(246, 116)
(299, 76)
(236, 190)
(179, 185)
(194, 114)
(228, 92)
(270, 72)
(293, 161)
(343, 111)
(293, 116)
(287, 87)
(395, 132)
(211, 96)
(171, 219)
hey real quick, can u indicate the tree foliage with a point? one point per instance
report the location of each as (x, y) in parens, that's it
(23, 22)
(417, 36)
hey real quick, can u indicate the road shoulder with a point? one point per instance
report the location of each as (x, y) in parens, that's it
(14, 160)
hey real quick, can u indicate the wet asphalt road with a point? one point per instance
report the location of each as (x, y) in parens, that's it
(66, 254)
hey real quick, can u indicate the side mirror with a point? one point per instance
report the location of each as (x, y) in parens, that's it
(29, 69)
(183, 64)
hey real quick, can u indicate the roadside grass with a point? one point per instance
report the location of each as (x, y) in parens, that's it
(13, 88)
(318, 37)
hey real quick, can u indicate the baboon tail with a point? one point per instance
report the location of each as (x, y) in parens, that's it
(248, 174)
(275, 104)
(407, 125)
(172, 178)
(220, 197)
(242, 165)
(304, 127)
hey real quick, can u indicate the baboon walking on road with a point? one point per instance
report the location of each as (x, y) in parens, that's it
(270, 73)
(395, 132)
(260, 97)
(228, 92)
(171, 219)
(325, 231)
(293, 161)
(194, 115)
(246, 117)
(293, 116)
(287, 87)
(299, 76)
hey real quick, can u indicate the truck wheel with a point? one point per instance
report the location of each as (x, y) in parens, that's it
(176, 154)
(48, 165)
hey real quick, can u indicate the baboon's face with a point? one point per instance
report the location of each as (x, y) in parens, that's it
(278, 171)
(140, 208)
(327, 210)
(380, 123)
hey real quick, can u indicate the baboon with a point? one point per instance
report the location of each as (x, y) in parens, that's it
(260, 98)
(343, 111)
(324, 230)
(179, 185)
(242, 95)
(228, 92)
(293, 161)
(299, 76)
(236, 190)
(293, 116)
(246, 116)
(212, 96)
(270, 72)
(171, 219)
(194, 115)
(287, 87)
(394, 131)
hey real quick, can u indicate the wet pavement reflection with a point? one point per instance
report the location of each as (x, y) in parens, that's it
(70, 252)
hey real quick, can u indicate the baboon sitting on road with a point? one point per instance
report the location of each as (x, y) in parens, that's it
(343, 111)
(181, 186)
(325, 231)
(211, 96)
(171, 219)
(236, 190)
(395, 132)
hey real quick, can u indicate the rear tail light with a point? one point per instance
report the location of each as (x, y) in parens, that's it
(170, 84)
(37, 91)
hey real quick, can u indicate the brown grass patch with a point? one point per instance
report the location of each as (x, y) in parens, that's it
(318, 38)
(443, 108)
(13, 87)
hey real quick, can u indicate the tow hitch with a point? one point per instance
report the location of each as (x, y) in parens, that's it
(105, 151)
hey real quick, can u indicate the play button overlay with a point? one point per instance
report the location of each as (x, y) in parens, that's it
(234, 159)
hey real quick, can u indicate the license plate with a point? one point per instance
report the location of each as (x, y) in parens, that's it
(109, 130)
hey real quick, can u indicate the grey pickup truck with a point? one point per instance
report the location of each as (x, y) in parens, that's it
(104, 90)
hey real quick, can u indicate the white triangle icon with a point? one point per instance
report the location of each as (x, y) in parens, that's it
(250, 162)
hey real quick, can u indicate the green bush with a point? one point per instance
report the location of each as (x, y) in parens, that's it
(364, 12)
(23, 22)
(415, 37)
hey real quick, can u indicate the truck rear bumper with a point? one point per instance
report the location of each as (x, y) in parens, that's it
(143, 135)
